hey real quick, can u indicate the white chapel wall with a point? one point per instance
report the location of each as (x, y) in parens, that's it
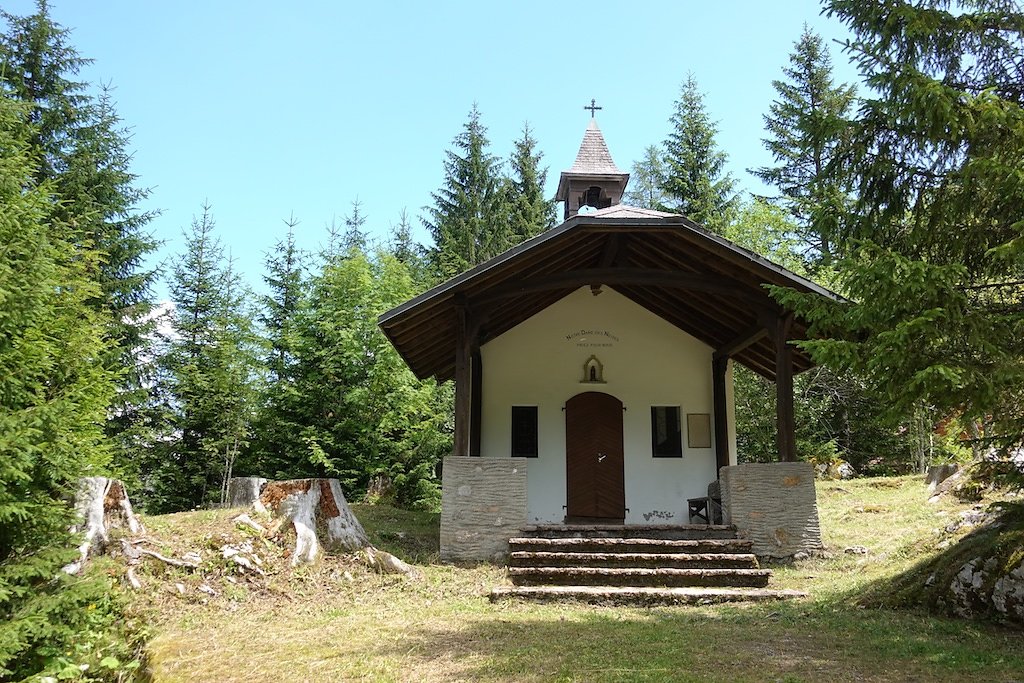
(646, 362)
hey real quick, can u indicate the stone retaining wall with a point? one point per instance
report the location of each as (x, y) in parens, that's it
(774, 505)
(483, 504)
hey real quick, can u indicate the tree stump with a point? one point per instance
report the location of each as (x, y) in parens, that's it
(244, 491)
(938, 474)
(322, 518)
(319, 513)
(101, 504)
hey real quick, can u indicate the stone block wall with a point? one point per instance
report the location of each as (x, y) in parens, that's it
(774, 505)
(483, 504)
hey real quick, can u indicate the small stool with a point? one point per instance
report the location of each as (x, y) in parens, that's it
(699, 508)
(707, 509)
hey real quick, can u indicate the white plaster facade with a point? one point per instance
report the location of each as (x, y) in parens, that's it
(647, 362)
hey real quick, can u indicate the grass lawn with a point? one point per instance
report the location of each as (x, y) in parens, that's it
(337, 621)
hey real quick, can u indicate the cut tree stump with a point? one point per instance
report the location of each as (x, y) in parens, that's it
(244, 491)
(312, 506)
(101, 504)
(938, 474)
(322, 518)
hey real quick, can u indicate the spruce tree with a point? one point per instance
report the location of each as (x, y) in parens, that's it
(211, 368)
(83, 153)
(529, 213)
(355, 229)
(646, 180)
(468, 219)
(803, 126)
(278, 433)
(408, 252)
(52, 406)
(366, 414)
(695, 181)
(38, 66)
(933, 238)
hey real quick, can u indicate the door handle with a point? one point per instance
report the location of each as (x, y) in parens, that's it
(601, 457)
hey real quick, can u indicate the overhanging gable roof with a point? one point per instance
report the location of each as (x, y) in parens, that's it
(698, 281)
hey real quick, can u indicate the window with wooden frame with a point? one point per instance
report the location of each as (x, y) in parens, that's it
(666, 432)
(524, 432)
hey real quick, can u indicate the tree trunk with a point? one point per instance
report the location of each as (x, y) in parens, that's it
(101, 504)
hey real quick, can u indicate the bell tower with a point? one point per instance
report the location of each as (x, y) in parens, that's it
(594, 180)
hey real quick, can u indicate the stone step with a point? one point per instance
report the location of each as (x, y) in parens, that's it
(640, 596)
(637, 560)
(633, 577)
(652, 531)
(630, 545)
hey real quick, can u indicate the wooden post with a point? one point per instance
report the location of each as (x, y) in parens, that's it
(719, 366)
(476, 402)
(463, 381)
(785, 420)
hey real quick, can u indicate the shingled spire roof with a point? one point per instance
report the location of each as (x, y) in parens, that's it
(594, 180)
(594, 156)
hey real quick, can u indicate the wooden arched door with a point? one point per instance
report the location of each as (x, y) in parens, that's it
(595, 482)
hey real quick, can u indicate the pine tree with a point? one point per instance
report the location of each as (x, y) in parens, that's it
(647, 179)
(695, 181)
(467, 221)
(935, 252)
(529, 213)
(52, 407)
(803, 126)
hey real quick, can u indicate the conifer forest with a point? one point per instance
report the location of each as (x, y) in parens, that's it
(904, 192)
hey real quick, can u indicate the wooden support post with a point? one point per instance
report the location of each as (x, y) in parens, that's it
(719, 366)
(785, 420)
(463, 381)
(476, 402)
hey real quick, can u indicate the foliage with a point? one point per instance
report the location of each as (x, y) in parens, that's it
(355, 232)
(694, 180)
(211, 365)
(278, 429)
(81, 148)
(646, 180)
(52, 408)
(931, 244)
(529, 213)
(468, 219)
(366, 414)
(803, 125)
(837, 415)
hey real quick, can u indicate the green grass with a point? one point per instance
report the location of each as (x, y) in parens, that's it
(337, 621)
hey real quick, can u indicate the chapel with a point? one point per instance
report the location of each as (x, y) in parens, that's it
(593, 362)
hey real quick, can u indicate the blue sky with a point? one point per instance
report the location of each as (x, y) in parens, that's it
(268, 109)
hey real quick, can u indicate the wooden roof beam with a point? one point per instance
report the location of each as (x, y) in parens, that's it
(610, 276)
(743, 340)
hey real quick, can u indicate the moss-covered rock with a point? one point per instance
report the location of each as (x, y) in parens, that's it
(980, 576)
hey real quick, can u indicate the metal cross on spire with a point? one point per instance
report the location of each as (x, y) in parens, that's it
(593, 107)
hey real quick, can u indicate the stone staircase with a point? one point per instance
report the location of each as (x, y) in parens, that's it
(643, 564)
